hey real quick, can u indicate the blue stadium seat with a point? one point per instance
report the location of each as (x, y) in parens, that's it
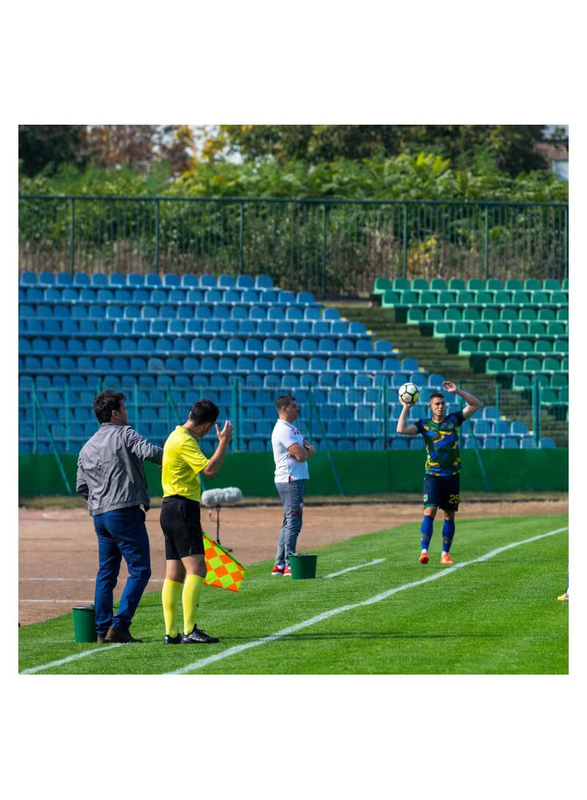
(153, 280)
(263, 282)
(509, 443)
(245, 282)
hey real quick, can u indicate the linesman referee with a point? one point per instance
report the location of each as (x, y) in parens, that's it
(180, 518)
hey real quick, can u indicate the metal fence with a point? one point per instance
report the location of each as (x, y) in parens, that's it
(330, 247)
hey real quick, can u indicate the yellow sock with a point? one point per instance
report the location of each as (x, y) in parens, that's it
(190, 598)
(170, 599)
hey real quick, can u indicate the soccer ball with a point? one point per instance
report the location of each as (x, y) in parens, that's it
(409, 393)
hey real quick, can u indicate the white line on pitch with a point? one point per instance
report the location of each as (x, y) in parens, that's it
(102, 649)
(231, 651)
(55, 601)
(92, 580)
(350, 569)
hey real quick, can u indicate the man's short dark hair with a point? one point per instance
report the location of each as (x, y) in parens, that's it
(105, 403)
(204, 411)
(284, 402)
(436, 394)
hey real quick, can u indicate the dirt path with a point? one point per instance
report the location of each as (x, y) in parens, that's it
(58, 551)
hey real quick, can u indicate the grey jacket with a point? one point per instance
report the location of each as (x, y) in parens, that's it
(110, 471)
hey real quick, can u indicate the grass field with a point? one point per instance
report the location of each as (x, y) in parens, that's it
(495, 616)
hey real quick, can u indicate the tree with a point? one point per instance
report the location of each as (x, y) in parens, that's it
(141, 146)
(44, 147)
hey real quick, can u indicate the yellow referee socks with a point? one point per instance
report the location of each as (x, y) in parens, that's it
(192, 589)
(170, 598)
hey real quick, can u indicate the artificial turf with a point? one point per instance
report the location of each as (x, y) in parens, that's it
(499, 616)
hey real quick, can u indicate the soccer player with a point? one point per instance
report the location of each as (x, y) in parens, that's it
(441, 478)
(180, 519)
(290, 453)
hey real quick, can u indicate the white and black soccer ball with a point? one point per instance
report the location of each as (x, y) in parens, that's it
(409, 393)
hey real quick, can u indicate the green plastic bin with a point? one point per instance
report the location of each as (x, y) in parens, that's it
(303, 565)
(84, 624)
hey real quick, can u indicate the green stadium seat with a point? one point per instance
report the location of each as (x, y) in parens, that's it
(523, 346)
(462, 327)
(549, 397)
(565, 286)
(475, 285)
(540, 299)
(465, 298)
(533, 365)
(513, 365)
(518, 328)
(472, 314)
(455, 284)
(540, 378)
(486, 346)
(467, 346)
(559, 299)
(537, 329)
(433, 315)
(502, 298)
(428, 298)
(543, 347)
(562, 314)
(551, 365)
(419, 285)
(556, 329)
(559, 381)
(401, 284)
(494, 366)
(409, 298)
(527, 314)
(545, 314)
(498, 327)
(551, 285)
(508, 314)
(504, 346)
(446, 298)
(565, 364)
(443, 328)
(561, 346)
(480, 328)
(521, 298)
(415, 316)
(453, 313)
(490, 314)
(484, 298)
(521, 382)
(390, 299)
(382, 285)
(494, 285)
(532, 285)
(438, 284)
(513, 284)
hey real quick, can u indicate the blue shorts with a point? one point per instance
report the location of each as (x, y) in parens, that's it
(442, 493)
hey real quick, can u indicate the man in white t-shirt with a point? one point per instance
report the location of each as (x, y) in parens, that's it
(291, 452)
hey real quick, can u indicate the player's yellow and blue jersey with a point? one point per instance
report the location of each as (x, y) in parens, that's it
(442, 444)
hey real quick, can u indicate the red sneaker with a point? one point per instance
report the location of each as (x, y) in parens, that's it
(277, 570)
(445, 559)
(287, 570)
(423, 557)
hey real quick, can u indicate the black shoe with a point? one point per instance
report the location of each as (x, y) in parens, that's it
(118, 636)
(172, 639)
(198, 637)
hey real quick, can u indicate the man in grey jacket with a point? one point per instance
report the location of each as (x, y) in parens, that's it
(110, 475)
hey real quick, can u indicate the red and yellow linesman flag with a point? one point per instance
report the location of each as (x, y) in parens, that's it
(224, 571)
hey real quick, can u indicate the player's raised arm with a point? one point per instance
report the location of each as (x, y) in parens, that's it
(473, 404)
(402, 426)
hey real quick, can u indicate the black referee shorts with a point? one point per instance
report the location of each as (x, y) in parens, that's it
(182, 529)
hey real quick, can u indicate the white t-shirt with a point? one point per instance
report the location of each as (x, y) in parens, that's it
(287, 468)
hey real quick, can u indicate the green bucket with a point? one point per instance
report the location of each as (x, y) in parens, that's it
(84, 624)
(303, 565)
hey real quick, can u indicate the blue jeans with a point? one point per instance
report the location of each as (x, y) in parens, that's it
(292, 497)
(121, 534)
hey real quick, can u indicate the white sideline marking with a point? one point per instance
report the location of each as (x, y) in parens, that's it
(101, 649)
(55, 601)
(231, 651)
(350, 569)
(313, 620)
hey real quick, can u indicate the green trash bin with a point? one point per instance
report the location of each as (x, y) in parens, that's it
(303, 565)
(84, 624)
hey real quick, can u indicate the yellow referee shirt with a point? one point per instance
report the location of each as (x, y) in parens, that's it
(182, 462)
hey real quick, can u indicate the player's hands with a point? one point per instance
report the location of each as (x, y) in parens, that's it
(225, 435)
(404, 404)
(450, 386)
